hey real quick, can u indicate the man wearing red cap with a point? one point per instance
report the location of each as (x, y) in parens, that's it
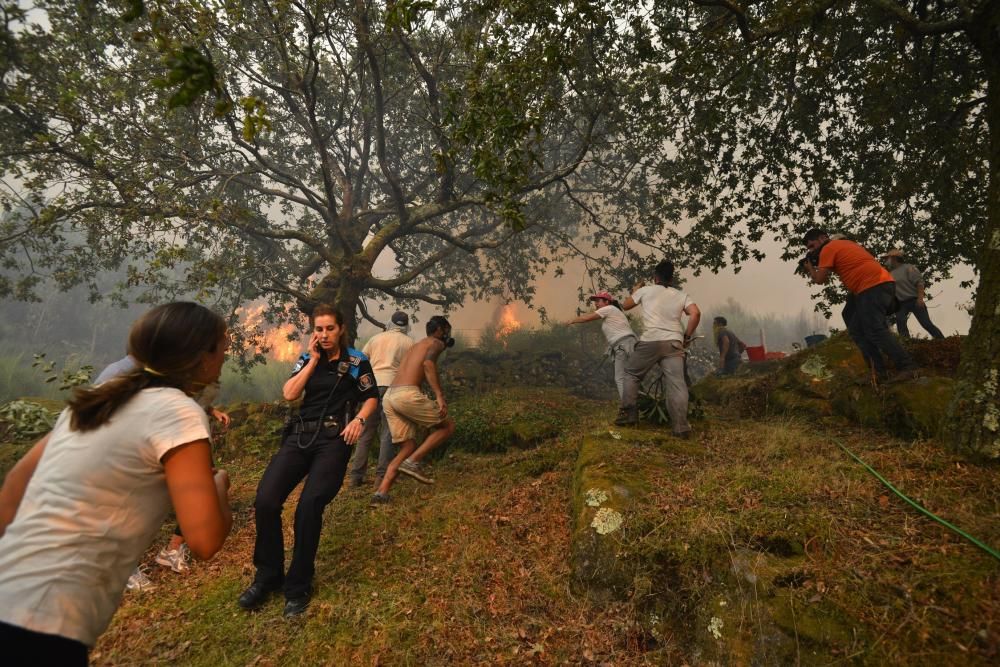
(616, 329)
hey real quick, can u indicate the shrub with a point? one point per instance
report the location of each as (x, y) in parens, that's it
(25, 420)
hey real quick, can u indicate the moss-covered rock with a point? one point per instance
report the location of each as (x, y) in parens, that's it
(604, 495)
(644, 535)
(832, 379)
(474, 370)
(921, 405)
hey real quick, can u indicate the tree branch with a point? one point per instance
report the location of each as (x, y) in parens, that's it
(398, 294)
(750, 36)
(273, 170)
(433, 96)
(364, 37)
(413, 272)
(736, 12)
(284, 234)
(914, 25)
(364, 313)
(460, 241)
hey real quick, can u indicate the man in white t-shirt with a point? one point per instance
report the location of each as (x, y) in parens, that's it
(662, 343)
(384, 350)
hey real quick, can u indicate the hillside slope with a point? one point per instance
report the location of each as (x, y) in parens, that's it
(759, 541)
(764, 543)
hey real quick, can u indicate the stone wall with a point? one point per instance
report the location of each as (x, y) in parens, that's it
(584, 376)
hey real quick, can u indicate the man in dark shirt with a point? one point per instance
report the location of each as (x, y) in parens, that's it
(910, 294)
(729, 347)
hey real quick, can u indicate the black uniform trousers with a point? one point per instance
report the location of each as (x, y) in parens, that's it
(323, 464)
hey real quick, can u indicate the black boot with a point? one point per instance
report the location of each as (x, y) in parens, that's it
(296, 606)
(255, 596)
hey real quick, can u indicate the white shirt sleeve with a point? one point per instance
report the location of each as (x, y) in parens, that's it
(177, 421)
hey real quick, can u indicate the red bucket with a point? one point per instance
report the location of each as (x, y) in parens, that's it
(756, 353)
(774, 355)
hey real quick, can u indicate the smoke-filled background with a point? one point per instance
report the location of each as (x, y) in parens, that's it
(74, 332)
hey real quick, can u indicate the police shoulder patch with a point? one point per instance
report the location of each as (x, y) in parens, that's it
(303, 359)
(366, 381)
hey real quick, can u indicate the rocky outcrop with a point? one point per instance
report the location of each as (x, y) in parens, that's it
(832, 379)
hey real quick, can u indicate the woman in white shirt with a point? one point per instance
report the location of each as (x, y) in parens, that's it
(616, 329)
(78, 511)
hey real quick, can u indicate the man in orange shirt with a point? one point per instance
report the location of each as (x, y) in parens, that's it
(872, 295)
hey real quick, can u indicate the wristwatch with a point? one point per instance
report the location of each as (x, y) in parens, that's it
(361, 419)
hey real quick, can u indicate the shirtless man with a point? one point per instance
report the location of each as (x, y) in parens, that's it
(407, 408)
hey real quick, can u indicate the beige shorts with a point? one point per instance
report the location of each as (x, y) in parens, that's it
(406, 409)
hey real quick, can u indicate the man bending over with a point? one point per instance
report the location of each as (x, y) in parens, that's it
(407, 408)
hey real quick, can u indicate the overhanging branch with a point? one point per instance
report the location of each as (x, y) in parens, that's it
(399, 294)
(413, 272)
(916, 26)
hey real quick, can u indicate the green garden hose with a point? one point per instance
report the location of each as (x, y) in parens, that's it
(899, 493)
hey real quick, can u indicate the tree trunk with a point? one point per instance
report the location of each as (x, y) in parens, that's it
(974, 415)
(339, 291)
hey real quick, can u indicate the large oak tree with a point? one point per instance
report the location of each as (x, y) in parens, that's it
(277, 149)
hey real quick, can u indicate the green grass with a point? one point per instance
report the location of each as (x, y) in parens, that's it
(261, 383)
(512, 418)
(18, 378)
(806, 550)
(472, 569)
(813, 558)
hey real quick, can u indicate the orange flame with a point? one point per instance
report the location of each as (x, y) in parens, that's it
(282, 349)
(274, 340)
(507, 322)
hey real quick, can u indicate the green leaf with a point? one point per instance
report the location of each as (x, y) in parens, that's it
(136, 8)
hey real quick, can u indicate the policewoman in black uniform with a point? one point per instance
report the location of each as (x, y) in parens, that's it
(340, 395)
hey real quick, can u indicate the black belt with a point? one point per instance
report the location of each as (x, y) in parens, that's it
(298, 426)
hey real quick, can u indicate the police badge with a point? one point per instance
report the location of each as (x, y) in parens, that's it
(366, 382)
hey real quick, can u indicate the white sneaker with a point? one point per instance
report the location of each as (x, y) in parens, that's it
(175, 559)
(138, 581)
